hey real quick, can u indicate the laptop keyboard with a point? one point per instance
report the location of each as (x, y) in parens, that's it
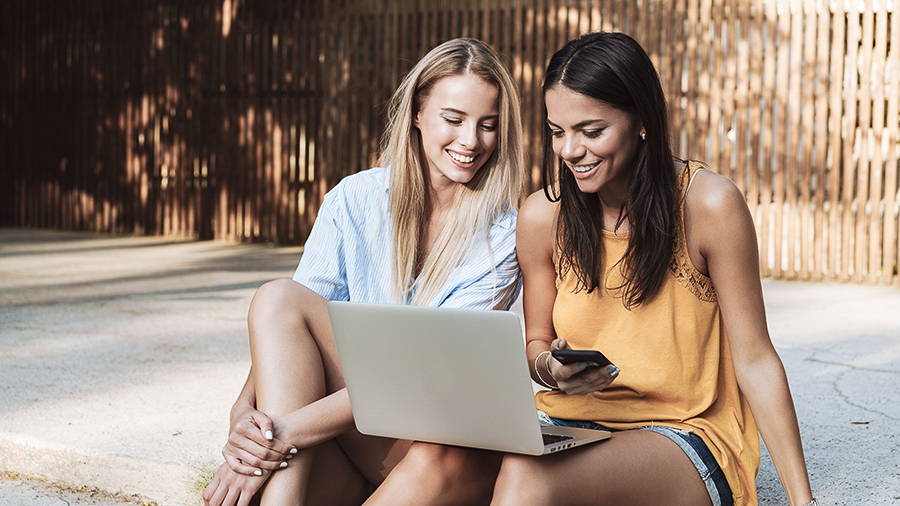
(549, 439)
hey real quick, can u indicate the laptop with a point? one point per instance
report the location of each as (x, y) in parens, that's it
(451, 376)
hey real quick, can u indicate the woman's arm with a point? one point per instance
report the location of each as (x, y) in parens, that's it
(317, 422)
(535, 239)
(535, 247)
(715, 210)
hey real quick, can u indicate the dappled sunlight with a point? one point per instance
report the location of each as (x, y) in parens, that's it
(231, 120)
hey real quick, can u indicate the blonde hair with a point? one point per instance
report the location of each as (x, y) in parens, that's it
(495, 189)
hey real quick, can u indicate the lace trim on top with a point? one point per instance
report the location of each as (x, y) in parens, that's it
(682, 267)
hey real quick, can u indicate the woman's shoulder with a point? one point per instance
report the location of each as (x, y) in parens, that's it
(537, 211)
(712, 194)
(362, 183)
(357, 197)
(714, 207)
(536, 225)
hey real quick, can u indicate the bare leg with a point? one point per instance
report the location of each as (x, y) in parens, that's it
(634, 467)
(294, 364)
(288, 370)
(334, 480)
(432, 474)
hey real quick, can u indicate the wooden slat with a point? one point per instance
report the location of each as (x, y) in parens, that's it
(792, 122)
(849, 142)
(767, 20)
(727, 133)
(835, 156)
(541, 54)
(779, 132)
(865, 141)
(891, 234)
(820, 237)
(803, 217)
(741, 99)
(678, 101)
(876, 190)
(691, 75)
(709, 105)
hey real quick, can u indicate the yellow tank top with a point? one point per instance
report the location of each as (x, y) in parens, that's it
(675, 360)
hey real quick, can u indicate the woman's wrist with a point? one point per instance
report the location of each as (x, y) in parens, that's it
(317, 422)
(239, 407)
(546, 363)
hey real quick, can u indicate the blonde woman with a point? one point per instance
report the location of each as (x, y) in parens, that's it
(433, 225)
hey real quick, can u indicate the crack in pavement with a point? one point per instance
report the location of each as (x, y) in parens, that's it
(850, 366)
(846, 399)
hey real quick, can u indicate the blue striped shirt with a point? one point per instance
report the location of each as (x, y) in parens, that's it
(348, 253)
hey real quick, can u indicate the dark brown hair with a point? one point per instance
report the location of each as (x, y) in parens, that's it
(613, 68)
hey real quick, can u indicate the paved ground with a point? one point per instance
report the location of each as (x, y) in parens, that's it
(20, 491)
(119, 358)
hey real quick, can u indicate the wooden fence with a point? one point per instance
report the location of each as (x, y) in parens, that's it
(230, 119)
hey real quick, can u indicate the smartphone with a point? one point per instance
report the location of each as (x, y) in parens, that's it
(572, 356)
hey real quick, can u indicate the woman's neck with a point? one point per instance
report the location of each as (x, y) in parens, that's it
(441, 192)
(613, 197)
(440, 199)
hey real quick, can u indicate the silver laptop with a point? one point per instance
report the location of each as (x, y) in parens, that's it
(451, 376)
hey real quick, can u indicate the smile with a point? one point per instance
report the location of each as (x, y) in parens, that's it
(581, 169)
(460, 158)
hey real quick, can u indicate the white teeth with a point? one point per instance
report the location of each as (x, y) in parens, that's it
(583, 168)
(460, 158)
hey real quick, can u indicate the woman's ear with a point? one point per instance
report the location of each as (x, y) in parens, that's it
(416, 119)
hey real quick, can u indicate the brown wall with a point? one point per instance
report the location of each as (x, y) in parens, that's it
(230, 119)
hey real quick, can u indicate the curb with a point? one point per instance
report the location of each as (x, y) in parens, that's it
(139, 481)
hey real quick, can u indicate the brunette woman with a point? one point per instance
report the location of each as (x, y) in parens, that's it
(652, 261)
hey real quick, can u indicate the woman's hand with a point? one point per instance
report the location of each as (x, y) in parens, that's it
(229, 488)
(252, 448)
(580, 377)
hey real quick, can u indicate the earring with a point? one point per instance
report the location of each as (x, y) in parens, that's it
(643, 135)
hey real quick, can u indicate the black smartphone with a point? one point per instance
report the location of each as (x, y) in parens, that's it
(571, 356)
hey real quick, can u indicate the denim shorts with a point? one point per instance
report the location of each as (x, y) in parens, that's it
(690, 443)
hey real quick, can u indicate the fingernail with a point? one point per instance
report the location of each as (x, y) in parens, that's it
(257, 472)
(268, 434)
(282, 465)
(582, 365)
(293, 450)
(289, 457)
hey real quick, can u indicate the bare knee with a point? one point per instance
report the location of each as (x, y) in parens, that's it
(445, 462)
(520, 481)
(432, 470)
(283, 293)
(282, 300)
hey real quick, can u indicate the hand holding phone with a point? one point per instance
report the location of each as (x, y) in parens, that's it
(590, 356)
(581, 371)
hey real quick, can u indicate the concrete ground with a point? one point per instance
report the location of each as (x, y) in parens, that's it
(17, 490)
(120, 356)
